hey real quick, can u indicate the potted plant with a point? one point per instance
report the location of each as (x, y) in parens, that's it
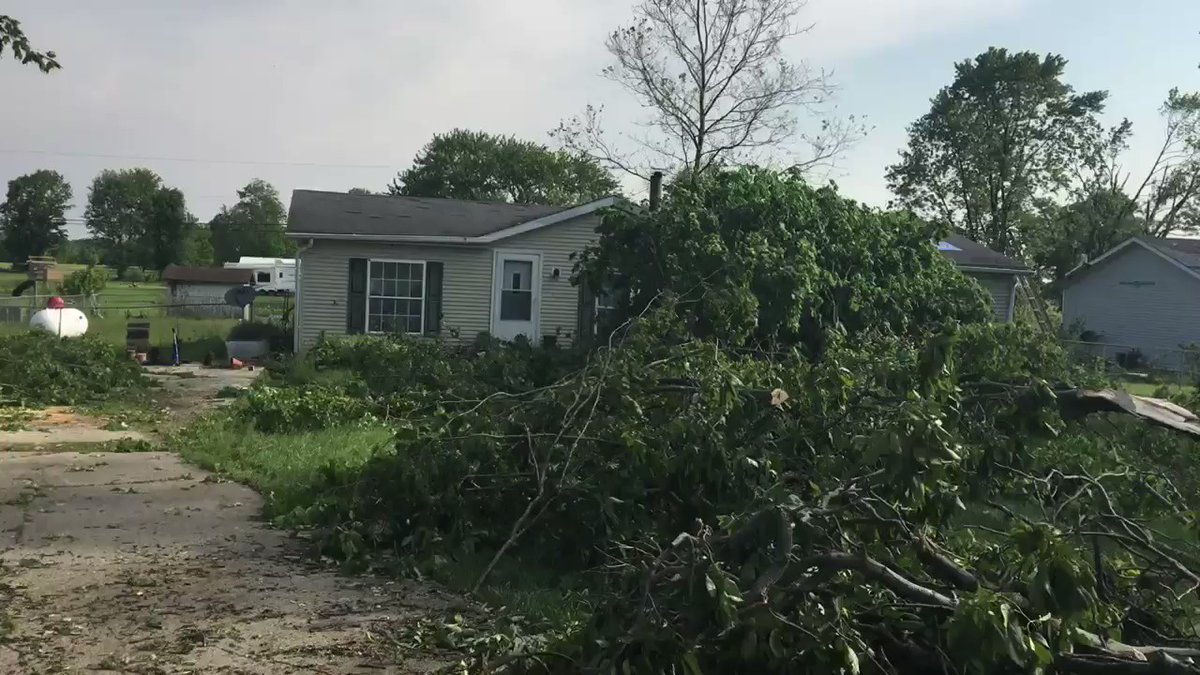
(250, 340)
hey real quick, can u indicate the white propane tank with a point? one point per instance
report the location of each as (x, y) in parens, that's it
(60, 320)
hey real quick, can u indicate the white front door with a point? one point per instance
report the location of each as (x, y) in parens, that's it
(516, 295)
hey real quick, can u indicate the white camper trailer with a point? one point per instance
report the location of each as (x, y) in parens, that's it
(270, 274)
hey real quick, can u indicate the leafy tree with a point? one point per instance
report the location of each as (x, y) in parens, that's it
(167, 229)
(121, 204)
(477, 165)
(1062, 236)
(88, 281)
(33, 215)
(719, 91)
(198, 248)
(13, 37)
(1003, 134)
(759, 258)
(253, 226)
(360, 191)
(80, 251)
(137, 219)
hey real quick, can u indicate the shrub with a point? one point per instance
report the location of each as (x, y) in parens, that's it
(133, 275)
(40, 369)
(85, 282)
(255, 330)
(310, 408)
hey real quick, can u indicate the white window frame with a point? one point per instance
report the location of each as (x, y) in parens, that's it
(367, 310)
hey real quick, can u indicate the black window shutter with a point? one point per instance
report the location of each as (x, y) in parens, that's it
(356, 297)
(586, 319)
(433, 298)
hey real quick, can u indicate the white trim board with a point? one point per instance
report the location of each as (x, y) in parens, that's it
(512, 231)
(1121, 247)
(535, 273)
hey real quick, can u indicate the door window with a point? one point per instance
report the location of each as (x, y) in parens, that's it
(516, 291)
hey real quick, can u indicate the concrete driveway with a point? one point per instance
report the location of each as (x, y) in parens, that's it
(140, 563)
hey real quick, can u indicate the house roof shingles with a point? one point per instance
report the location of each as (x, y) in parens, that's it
(972, 254)
(1184, 251)
(317, 212)
(340, 213)
(207, 275)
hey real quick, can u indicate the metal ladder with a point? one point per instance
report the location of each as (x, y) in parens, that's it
(1038, 304)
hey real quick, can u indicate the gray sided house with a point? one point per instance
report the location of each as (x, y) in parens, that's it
(1144, 295)
(453, 268)
(997, 273)
(200, 291)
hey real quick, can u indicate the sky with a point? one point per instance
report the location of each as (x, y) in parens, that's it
(333, 95)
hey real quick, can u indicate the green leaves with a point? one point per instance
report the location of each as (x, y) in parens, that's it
(251, 227)
(759, 259)
(13, 38)
(33, 214)
(1003, 133)
(479, 166)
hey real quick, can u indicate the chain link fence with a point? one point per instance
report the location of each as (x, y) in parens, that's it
(18, 310)
(1176, 366)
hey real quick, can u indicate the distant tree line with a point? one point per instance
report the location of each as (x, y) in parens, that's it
(136, 220)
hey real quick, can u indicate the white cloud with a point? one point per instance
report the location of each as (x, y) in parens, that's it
(356, 82)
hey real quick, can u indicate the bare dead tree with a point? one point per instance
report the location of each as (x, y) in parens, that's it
(1170, 194)
(718, 90)
(1166, 199)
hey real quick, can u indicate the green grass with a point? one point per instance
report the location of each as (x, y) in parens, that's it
(1144, 388)
(288, 469)
(197, 337)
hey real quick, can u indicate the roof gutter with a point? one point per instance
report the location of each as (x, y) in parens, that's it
(398, 238)
(994, 270)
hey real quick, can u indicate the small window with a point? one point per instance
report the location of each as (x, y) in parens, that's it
(263, 277)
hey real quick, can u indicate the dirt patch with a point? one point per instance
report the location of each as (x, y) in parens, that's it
(188, 391)
(143, 564)
(61, 426)
(181, 392)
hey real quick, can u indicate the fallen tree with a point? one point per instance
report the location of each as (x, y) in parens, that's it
(902, 505)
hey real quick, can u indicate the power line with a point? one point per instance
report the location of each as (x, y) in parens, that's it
(194, 160)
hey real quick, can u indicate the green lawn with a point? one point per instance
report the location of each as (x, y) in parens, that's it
(122, 301)
(1142, 388)
(290, 470)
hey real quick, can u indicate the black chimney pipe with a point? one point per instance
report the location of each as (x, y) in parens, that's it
(655, 189)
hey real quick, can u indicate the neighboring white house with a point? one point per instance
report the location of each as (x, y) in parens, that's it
(201, 291)
(1143, 295)
(378, 263)
(270, 274)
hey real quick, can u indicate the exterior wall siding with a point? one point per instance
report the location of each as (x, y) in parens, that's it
(200, 300)
(1136, 299)
(466, 283)
(1000, 288)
